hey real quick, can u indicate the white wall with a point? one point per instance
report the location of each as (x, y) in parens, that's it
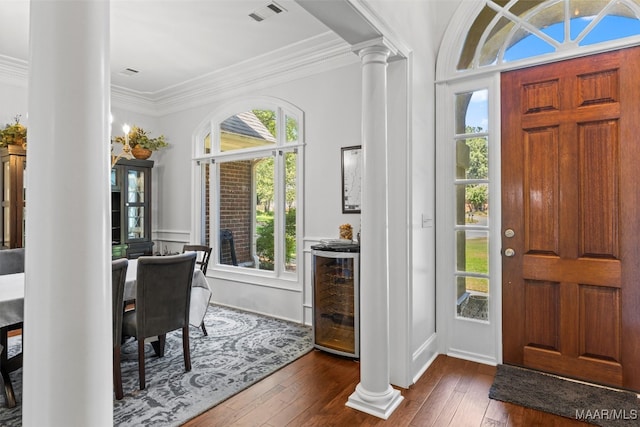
(13, 101)
(331, 103)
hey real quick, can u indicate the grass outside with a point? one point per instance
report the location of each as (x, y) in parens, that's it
(477, 261)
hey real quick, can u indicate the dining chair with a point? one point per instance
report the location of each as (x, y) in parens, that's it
(226, 239)
(118, 279)
(163, 293)
(12, 261)
(202, 262)
(200, 296)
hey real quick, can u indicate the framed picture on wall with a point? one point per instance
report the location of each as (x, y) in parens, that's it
(351, 178)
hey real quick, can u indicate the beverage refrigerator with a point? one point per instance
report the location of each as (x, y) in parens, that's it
(336, 299)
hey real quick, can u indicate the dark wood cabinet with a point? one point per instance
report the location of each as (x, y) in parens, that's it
(14, 163)
(131, 208)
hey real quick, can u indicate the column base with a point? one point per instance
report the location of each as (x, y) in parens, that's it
(380, 405)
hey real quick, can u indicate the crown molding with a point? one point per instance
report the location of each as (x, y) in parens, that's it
(318, 54)
(293, 62)
(13, 71)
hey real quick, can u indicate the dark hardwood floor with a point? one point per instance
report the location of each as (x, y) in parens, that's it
(313, 390)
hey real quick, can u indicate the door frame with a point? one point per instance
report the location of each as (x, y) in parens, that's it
(448, 82)
(465, 338)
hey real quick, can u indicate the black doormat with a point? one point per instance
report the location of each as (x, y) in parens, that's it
(592, 404)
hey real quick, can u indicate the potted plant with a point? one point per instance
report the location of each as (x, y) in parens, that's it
(14, 133)
(142, 145)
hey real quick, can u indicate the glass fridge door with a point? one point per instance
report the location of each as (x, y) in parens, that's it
(335, 303)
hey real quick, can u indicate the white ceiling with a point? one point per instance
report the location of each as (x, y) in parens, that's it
(171, 42)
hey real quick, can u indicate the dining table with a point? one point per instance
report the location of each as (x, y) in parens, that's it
(12, 313)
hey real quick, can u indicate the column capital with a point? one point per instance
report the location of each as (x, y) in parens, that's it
(379, 46)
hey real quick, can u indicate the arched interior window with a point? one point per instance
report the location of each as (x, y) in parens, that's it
(506, 31)
(250, 169)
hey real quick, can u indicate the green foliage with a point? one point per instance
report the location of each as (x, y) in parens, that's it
(265, 194)
(265, 188)
(478, 158)
(13, 133)
(265, 243)
(139, 136)
(477, 195)
(264, 182)
(268, 119)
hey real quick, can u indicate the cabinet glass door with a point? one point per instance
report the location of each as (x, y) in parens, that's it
(6, 205)
(136, 204)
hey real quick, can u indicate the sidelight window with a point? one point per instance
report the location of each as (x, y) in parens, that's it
(471, 190)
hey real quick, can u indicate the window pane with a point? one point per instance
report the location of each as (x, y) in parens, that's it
(291, 194)
(472, 112)
(528, 46)
(490, 50)
(473, 37)
(472, 158)
(292, 129)
(207, 144)
(236, 213)
(474, 301)
(265, 213)
(472, 251)
(472, 204)
(250, 129)
(612, 28)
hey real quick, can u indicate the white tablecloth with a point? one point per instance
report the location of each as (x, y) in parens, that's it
(11, 299)
(200, 292)
(12, 295)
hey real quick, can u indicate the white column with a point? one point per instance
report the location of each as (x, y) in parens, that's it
(374, 395)
(67, 372)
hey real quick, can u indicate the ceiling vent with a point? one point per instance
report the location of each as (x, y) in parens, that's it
(128, 72)
(267, 11)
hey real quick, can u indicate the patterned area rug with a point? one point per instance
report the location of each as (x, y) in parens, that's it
(241, 349)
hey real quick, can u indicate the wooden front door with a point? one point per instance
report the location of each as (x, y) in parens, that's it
(571, 204)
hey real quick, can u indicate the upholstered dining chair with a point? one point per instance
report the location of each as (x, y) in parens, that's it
(163, 293)
(200, 296)
(118, 279)
(12, 261)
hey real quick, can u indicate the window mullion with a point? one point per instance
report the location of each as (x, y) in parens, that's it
(279, 208)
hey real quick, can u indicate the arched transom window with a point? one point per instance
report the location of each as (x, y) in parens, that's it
(506, 31)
